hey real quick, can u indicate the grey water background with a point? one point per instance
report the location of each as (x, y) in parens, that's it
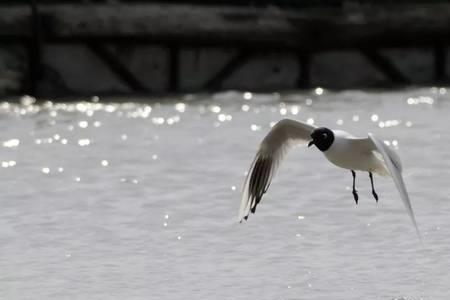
(133, 199)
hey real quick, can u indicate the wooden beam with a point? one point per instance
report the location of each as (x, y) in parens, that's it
(304, 70)
(174, 68)
(440, 61)
(34, 51)
(117, 67)
(294, 44)
(234, 64)
(384, 65)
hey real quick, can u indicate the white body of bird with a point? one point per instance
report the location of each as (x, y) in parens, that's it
(351, 153)
(339, 147)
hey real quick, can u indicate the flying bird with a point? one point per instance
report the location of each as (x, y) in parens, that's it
(339, 147)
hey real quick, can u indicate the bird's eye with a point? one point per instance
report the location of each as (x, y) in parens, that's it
(324, 135)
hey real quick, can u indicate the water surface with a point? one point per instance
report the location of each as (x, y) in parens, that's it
(128, 199)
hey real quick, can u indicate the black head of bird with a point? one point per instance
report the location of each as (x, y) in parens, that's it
(322, 137)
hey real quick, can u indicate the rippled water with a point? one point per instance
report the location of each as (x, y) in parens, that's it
(139, 200)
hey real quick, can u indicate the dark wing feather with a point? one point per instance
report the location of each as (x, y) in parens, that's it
(278, 141)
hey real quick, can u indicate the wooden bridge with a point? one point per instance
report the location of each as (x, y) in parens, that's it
(302, 29)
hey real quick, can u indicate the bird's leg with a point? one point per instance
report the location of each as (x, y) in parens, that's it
(373, 189)
(355, 194)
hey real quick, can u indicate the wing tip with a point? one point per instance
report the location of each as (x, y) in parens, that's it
(242, 218)
(394, 168)
(256, 184)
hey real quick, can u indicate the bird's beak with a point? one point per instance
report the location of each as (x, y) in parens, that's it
(311, 143)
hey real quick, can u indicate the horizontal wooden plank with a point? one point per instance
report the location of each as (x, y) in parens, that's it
(253, 3)
(314, 29)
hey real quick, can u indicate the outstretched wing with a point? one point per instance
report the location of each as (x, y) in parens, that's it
(394, 166)
(274, 146)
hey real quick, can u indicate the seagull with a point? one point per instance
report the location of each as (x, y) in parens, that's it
(341, 148)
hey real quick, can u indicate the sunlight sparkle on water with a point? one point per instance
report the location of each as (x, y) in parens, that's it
(224, 117)
(83, 124)
(8, 164)
(11, 143)
(173, 120)
(390, 123)
(139, 112)
(374, 118)
(27, 100)
(84, 142)
(110, 108)
(180, 107)
(295, 109)
(248, 96)
(420, 100)
(215, 109)
(255, 127)
(158, 121)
